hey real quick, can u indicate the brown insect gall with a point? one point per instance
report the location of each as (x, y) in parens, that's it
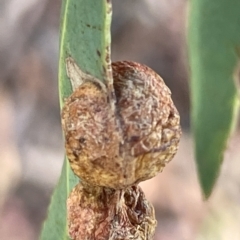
(121, 148)
(101, 213)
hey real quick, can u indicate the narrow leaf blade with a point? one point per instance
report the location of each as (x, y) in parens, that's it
(213, 38)
(85, 36)
(55, 226)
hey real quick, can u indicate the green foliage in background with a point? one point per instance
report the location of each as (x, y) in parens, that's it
(214, 37)
(85, 36)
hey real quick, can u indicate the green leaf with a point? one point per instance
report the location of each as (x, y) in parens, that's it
(85, 36)
(214, 38)
(55, 226)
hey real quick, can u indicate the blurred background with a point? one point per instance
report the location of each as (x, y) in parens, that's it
(152, 32)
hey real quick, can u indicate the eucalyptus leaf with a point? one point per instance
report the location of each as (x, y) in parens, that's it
(85, 36)
(214, 38)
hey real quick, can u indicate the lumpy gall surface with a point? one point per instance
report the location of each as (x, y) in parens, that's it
(132, 144)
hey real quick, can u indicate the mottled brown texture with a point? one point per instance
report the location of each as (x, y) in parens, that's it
(133, 144)
(149, 120)
(92, 140)
(99, 213)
